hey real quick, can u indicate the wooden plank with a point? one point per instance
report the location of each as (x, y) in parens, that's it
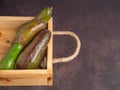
(23, 77)
(50, 52)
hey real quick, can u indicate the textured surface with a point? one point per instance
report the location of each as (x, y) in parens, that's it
(97, 23)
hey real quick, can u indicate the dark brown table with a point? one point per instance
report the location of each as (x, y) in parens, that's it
(97, 23)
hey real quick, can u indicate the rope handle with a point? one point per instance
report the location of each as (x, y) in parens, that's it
(76, 52)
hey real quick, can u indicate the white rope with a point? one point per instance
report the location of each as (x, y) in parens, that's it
(76, 52)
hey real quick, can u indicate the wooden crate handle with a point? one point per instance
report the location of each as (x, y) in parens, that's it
(76, 52)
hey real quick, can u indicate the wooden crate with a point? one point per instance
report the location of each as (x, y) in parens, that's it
(8, 29)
